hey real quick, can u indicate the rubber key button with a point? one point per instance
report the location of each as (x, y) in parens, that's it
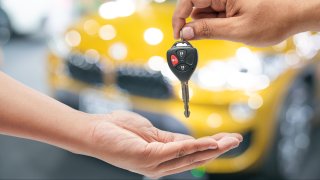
(182, 54)
(174, 60)
(190, 59)
(183, 67)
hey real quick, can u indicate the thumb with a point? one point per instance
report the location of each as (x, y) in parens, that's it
(210, 28)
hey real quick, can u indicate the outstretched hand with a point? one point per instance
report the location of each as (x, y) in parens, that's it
(129, 141)
(122, 138)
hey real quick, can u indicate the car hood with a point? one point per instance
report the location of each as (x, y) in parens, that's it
(130, 32)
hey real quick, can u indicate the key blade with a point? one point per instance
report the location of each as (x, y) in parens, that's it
(186, 111)
(185, 97)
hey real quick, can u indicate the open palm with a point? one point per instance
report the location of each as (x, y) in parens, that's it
(130, 141)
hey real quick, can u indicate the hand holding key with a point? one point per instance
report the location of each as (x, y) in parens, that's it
(183, 59)
(253, 22)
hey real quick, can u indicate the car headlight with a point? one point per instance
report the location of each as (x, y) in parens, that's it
(247, 71)
(88, 67)
(85, 68)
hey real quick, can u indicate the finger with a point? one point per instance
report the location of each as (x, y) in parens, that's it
(186, 161)
(211, 28)
(226, 147)
(201, 3)
(204, 15)
(182, 11)
(165, 136)
(199, 13)
(224, 144)
(227, 143)
(222, 135)
(181, 137)
(219, 5)
(178, 149)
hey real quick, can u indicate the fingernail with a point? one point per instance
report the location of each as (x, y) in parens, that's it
(187, 33)
(228, 142)
(239, 135)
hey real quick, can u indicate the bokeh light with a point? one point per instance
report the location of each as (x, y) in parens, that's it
(153, 36)
(73, 38)
(107, 32)
(118, 51)
(255, 101)
(118, 8)
(156, 63)
(214, 120)
(91, 27)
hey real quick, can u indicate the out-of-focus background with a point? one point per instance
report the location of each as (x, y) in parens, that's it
(98, 56)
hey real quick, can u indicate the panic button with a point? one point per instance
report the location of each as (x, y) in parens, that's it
(174, 60)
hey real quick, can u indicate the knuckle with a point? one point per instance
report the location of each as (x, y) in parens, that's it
(169, 137)
(202, 4)
(147, 155)
(191, 160)
(230, 8)
(151, 133)
(155, 132)
(181, 152)
(218, 5)
(196, 147)
(205, 30)
(176, 17)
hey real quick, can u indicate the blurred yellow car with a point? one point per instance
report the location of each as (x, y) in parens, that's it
(115, 59)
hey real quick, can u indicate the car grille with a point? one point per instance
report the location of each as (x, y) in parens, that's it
(85, 69)
(142, 82)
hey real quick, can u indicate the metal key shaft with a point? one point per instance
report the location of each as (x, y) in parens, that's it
(185, 97)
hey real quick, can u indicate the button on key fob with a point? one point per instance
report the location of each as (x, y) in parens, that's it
(183, 59)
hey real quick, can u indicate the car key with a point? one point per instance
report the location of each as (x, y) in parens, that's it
(182, 59)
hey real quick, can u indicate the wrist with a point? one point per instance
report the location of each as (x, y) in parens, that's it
(82, 140)
(73, 132)
(81, 135)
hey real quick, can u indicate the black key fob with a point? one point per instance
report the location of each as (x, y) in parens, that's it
(182, 59)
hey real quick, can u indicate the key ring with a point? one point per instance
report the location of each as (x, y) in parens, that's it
(181, 35)
(183, 42)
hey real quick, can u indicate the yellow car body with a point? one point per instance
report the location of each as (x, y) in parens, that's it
(210, 106)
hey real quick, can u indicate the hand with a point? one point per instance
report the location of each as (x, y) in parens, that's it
(254, 22)
(130, 141)
(123, 139)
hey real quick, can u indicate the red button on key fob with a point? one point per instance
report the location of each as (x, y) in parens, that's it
(174, 60)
